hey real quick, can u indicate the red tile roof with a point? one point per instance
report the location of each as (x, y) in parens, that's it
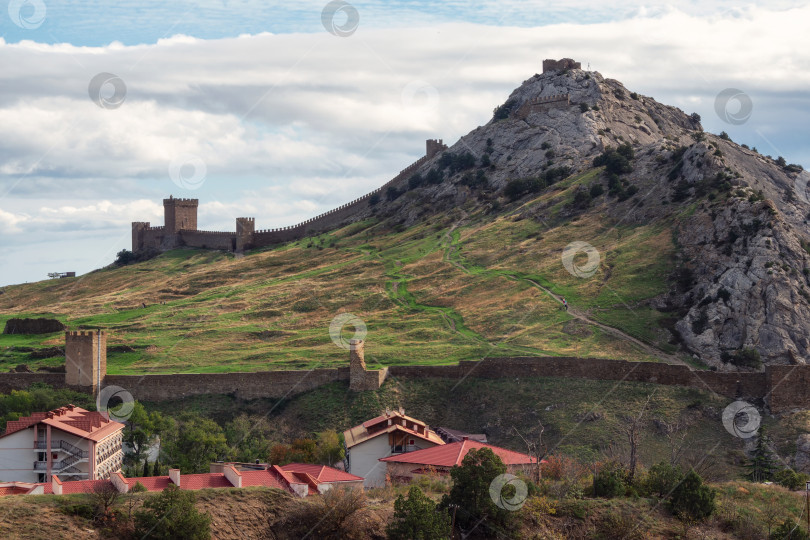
(151, 483)
(80, 422)
(202, 481)
(81, 486)
(322, 473)
(261, 478)
(451, 454)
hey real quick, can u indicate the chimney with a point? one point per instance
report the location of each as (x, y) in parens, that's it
(56, 484)
(233, 476)
(465, 438)
(174, 476)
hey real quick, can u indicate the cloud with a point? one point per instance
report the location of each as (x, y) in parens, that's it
(290, 125)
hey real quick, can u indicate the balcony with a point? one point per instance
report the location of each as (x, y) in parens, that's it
(403, 448)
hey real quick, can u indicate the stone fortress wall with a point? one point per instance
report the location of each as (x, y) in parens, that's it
(180, 218)
(780, 388)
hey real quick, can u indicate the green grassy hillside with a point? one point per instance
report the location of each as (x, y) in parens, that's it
(462, 286)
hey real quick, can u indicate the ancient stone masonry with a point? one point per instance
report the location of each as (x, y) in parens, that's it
(560, 65)
(181, 221)
(780, 388)
(540, 104)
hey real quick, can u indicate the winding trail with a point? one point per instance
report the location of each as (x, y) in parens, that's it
(451, 256)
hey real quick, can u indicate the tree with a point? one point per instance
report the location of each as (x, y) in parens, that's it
(608, 481)
(536, 449)
(172, 515)
(301, 451)
(195, 443)
(691, 499)
(470, 491)
(789, 530)
(146, 468)
(124, 257)
(141, 431)
(249, 437)
(104, 496)
(330, 447)
(156, 469)
(762, 464)
(416, 518)
(632, 429)
(662, 479)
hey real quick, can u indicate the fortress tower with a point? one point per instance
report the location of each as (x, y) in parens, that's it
(434, 146)
(180, 214)
(245, 226)
(559, 65)
(86, 359)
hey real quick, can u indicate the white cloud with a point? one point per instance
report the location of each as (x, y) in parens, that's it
(291, 125)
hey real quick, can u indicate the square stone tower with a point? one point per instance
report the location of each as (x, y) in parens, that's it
(86, 359)
(180, 214)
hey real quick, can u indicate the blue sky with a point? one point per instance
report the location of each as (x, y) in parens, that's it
(286, 120)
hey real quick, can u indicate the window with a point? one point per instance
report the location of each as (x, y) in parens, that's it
(412, 442)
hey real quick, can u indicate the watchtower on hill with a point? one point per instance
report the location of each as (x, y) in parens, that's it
(180, 214)
(86, 359)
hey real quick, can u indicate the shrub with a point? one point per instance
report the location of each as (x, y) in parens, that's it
(545, 146)
(416, 518)
(374, 199)
(662, 479)
(691, 499)
(791, 479)
(415, 181)
(392, 193)
(503, 111)
(616, 161)
(596, 190)
(789, 530)
(172, 514)
(723, 135)
(609, 481)
(434, 176)
(583, 107)
(633, 95)
(745, 357)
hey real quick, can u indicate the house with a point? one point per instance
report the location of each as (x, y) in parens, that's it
(69, 442)
(392, 433)
(440, 459)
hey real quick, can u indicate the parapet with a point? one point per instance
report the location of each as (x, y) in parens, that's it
(181, 202)
(84, 334)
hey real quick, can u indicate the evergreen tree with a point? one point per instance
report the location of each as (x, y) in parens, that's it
(762, 464)
(172, 515)
(146, 468)
(417, 518)
(691, 499)
(470, 493)
(156, 469)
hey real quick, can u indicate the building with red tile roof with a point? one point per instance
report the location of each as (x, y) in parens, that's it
(69, 442)
(440, 459)
(389, 434)
(299, 479)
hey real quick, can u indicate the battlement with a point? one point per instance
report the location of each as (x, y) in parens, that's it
(560, 65)
(550, 99)
(181, 202)
(539, 104)
(180, 227)
(84, 334)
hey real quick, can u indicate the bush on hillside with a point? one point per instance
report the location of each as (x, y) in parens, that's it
(417, 518)
(172, 515)
(691, 499)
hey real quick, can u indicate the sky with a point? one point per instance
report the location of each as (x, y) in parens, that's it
(281, 111)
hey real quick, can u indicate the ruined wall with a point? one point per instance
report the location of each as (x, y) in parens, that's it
(788, 388)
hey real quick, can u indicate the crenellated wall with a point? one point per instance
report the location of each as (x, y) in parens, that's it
(181, 212)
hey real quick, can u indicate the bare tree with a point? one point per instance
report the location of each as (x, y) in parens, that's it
(536, 449)
(675, 432)
(104, 496)
(632, 430)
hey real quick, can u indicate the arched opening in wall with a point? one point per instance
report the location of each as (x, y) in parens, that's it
(233, 244)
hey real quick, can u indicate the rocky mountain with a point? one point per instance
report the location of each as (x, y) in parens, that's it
(739, 219)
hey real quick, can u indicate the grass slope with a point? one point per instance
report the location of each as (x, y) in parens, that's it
(462, 286)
